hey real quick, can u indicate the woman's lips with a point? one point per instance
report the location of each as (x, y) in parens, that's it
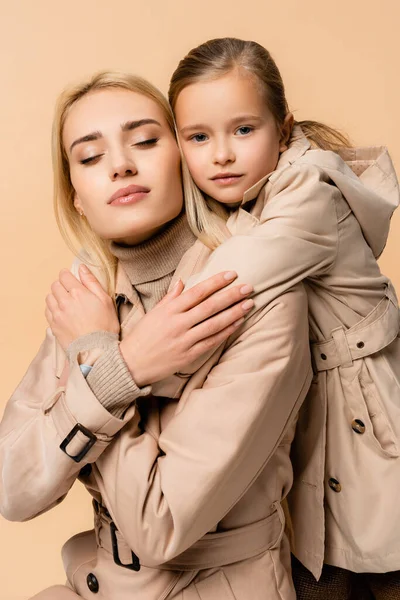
(226, 179)
(129, 199)
(128, 195)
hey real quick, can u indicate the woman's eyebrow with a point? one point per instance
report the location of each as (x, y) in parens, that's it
(90, 137)
(128, 126)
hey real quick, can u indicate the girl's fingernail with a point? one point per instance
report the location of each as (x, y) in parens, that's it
(177, 283)
(229, 275)
(238, 322)
(84, 269)
(248, 305)
(246, 289)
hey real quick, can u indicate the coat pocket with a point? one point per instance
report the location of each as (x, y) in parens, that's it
(378, 421)
(214, 587)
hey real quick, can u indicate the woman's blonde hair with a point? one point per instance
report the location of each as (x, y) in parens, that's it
(212, 60)
(75, 229)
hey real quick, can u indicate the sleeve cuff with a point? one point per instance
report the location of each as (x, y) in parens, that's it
(111, 382)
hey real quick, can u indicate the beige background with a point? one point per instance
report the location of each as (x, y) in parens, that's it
(340, 64)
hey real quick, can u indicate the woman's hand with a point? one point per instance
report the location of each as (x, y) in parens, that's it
(75, 308)
(183, 326)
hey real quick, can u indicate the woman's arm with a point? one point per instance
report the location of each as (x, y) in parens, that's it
(54, 423)
(168, 492)
(35, 473)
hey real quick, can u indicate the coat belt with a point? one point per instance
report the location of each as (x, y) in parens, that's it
(371, 334)
(211, 551)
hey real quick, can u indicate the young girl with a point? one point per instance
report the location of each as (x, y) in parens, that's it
(187, 473)
(318, 211)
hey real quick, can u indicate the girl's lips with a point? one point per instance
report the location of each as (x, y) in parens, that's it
(129, 199)
(227, 179)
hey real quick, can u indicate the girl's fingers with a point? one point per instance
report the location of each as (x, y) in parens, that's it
(49, 316)
(214, 340)
(173, 293)
(218, 302)
(203, 290)
(214, 325)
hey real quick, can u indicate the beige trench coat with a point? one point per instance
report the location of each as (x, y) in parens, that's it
(324, 219)
(191, 479)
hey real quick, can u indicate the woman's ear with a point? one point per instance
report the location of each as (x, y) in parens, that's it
(286, 132)
(78, 206)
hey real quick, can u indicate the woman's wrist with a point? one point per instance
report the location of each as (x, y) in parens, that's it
(128, 355)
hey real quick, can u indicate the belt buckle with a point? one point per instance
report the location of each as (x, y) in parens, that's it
(135, 564)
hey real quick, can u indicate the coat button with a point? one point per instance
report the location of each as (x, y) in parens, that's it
(334, 485)
(92, 583)
(323, 356)
(358, 426)
(360, 344)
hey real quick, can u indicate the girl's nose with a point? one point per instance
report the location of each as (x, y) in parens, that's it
(223, 154)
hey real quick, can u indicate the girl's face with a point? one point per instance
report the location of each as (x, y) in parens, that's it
(228, 135)
(124, 164)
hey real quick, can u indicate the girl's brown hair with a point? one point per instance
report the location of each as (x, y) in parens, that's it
(214, 59)
(75, 230)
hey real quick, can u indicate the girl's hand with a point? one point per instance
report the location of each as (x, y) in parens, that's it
(183, 326)
(75, 308)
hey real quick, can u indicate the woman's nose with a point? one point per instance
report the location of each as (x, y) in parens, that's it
(122, 166)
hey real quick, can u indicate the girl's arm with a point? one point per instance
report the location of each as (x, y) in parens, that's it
(164, 493)
(297, 234)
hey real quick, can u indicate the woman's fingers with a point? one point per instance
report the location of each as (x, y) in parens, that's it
(203, 290)
(220, 321)
(59, 292)
(69, 281)
(90, 281)
(218, 302)
(51, 303)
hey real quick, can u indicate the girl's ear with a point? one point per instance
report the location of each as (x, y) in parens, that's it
(78, 205)
(286, 132)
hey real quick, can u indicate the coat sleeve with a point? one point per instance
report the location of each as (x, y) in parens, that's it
(297, 236)
(35, 474)
(165, 493)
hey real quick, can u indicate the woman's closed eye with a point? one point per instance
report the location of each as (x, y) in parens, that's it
(90, 159)
(147, 143)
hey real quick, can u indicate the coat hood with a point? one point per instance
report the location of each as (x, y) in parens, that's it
(367, 179)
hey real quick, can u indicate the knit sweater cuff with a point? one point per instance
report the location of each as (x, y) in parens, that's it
(111, 382)
(97, 340)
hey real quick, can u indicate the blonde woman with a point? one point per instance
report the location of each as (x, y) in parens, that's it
(187, 472)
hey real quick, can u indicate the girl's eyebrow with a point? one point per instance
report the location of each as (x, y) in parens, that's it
(239, 119)
(128, 126)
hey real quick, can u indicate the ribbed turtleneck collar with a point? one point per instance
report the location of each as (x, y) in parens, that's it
(157, 257)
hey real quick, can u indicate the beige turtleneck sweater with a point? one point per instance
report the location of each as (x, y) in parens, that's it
(149, 267)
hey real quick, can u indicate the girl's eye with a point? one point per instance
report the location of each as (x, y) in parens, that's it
(245, 130)
(199, 137)
(90, 159)
(147, 143)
